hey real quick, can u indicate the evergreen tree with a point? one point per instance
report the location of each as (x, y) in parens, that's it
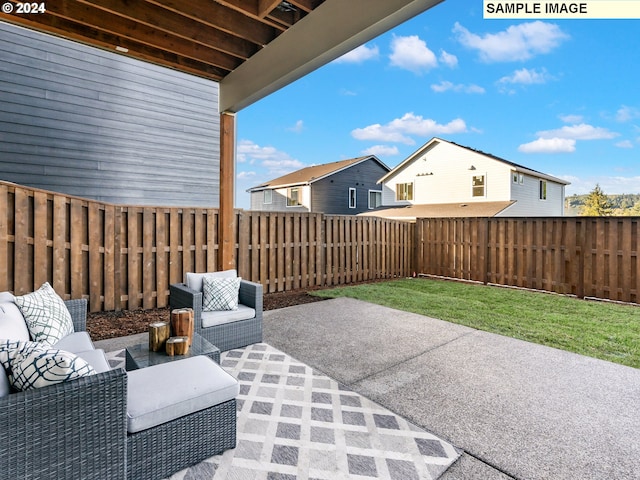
(596, 204)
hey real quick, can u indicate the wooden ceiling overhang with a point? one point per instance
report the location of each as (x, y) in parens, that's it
(251, 47)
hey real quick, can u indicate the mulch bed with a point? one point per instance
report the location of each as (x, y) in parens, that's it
(103, 325)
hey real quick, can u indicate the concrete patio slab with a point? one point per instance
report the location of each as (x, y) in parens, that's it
(517, 409)
(350, 340)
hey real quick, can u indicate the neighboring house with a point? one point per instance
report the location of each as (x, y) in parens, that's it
(347, 187)
(446, 179)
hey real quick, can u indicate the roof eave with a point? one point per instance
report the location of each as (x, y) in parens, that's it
(307, 46)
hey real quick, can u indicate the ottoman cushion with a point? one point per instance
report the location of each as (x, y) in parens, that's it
(165, 392)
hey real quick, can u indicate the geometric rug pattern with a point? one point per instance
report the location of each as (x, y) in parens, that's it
(297, 424)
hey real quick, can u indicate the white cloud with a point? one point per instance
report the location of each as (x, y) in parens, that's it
(445, 86)
(516, 43)
(624, 144)
(400, 129)
(412, 53)
(549, 145)
(298, 127)
(381, 150)
(525, 76)
(580, 131)
(448, 59)
(275, 161)
(571, 118)
(359, 55)
(245, 175)
(626, 113)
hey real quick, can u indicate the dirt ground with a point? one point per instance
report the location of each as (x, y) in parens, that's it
(103, 325)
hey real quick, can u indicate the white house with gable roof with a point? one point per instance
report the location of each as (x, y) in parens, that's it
(445, 179)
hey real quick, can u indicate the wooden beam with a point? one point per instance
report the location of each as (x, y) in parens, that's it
(226, 214)
(265, 7)
(223, 18)
(160, 19)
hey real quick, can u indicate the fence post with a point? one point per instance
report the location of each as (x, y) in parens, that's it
(581, 236)
(485, 249)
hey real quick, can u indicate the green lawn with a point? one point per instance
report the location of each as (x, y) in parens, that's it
(598, 329)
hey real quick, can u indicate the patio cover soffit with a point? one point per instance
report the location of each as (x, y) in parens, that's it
(251, 47)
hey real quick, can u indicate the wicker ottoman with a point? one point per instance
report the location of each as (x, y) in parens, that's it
(178, 414)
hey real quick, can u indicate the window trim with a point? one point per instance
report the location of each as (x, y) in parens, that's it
(264, 197)
(484, 186)
(542, 190)
(408, 194)
(369, 192)
(289, 191)
(353, 195)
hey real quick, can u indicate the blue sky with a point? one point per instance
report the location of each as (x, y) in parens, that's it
(558, 96)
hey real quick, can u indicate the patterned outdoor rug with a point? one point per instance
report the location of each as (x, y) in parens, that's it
(297, 424)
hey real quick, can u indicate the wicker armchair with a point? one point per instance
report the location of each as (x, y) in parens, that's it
(69, 430)
(229, 335)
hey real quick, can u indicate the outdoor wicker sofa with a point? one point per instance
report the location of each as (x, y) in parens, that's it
(81, 429)
(225, 329)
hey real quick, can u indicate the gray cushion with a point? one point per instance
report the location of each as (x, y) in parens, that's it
(194, 280)
(12, 324)
(96, 358)
(165, 392)
(76, 342)
(220, 317)
(6, 297)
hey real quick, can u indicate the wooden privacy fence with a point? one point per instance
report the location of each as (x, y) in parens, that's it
(582, 256)
(125, 257)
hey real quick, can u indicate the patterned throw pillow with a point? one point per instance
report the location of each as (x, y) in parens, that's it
(32, 364)
(46, 366)
(46, 315)
(9, 349)
(220, 293)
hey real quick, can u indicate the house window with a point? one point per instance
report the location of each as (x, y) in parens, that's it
(293, 197)
(477, 185)
(352, 198)
(375, 199)
(543, 189)
(518, 178)
(267, 198)
(404, 191)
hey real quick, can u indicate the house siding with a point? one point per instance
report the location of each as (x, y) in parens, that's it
(96, 124)
(528, 202)
(330, 195)
(279, 201)
(444, 175)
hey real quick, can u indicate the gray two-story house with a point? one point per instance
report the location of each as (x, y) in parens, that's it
(347, 187)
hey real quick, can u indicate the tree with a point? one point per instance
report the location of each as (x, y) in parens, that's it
(596, 204)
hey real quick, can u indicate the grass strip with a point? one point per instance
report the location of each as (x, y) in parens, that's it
(603, 330)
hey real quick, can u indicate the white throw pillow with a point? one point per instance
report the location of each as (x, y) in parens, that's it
(46, 315)
(220, 293)
(47, 366)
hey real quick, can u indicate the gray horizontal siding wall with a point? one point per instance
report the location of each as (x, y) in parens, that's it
(88, 122)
